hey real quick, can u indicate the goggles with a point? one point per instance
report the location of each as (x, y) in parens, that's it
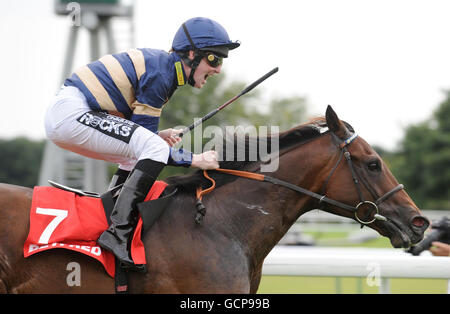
(213, 60)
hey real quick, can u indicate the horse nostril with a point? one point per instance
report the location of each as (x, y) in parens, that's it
(420, 222)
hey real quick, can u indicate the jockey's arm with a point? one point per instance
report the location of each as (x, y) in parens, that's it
(184, 158)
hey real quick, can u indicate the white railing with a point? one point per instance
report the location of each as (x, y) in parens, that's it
(373, 264)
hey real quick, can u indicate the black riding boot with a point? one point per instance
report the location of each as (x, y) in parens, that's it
(124, 216)
(118, 178)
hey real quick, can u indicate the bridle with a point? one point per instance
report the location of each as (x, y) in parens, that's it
(323, 199)
(356, 180)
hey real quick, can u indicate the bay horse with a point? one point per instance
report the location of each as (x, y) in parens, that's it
(244, 220)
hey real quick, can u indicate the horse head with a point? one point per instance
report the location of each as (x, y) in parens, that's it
(360, 177)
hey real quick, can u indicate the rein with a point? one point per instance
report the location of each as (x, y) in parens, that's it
(201, 210)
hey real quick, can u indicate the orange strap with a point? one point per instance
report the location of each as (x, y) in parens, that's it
(244, 174)
(238, 173)
(200, 191)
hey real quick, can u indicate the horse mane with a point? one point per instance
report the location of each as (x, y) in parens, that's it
(244, 159)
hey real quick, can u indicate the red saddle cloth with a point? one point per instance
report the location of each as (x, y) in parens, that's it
(62, 219)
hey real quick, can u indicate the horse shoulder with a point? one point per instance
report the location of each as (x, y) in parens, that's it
(185, 257)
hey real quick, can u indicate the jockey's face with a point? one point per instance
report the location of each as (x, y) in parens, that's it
(203, 71)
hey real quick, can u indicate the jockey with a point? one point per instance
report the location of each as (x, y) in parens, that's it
(110, 110)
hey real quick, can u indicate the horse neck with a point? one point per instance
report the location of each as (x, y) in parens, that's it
(258, 214)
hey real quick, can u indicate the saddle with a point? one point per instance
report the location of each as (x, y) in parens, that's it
(67, 218)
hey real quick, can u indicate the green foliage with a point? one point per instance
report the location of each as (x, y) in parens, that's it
(20, 161)
(423, 161)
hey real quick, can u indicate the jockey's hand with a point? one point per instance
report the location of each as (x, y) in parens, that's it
(440, 249)
(171, 136)
(206, 160)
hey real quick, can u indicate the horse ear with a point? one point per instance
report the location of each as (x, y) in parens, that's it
(335, 125)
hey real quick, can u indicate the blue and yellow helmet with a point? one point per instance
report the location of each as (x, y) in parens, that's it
(203, 34)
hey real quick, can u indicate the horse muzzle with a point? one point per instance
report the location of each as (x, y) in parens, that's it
(403, 235)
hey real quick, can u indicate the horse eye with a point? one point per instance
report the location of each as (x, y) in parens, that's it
(374, 165)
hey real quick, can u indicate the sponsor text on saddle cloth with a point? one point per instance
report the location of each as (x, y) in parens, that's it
(62, 219)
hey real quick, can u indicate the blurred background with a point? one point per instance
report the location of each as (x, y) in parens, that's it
(383, 65)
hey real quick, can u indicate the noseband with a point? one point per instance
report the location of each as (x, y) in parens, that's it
(322, 198)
